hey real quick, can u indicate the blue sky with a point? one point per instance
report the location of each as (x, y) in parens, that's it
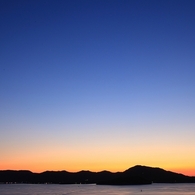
(103, 72)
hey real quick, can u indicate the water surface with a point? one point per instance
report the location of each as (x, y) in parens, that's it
(54, 189)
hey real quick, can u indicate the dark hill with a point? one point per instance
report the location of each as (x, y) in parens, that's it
(158, 175)
(17, 176)
(133, 176)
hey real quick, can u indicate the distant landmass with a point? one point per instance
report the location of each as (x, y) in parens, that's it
(137, 175)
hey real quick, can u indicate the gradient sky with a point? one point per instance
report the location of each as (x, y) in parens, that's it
(97, 84)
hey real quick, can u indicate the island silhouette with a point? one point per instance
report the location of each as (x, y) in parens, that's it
(137, 175)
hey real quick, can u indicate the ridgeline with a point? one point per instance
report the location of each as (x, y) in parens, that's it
(137, 175)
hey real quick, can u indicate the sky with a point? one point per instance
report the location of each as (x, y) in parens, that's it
(97, 85)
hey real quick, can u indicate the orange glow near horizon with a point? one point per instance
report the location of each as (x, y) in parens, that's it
(185, 171)
(93, 157)
(96, 153)
(38, 168)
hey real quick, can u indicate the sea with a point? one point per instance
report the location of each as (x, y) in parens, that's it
(90, 189)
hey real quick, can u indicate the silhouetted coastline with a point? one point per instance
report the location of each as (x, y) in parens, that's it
(137, 175)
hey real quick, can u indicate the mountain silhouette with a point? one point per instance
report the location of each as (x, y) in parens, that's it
(133, 176)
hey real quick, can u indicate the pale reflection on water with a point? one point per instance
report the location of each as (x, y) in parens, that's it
(53, 189)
